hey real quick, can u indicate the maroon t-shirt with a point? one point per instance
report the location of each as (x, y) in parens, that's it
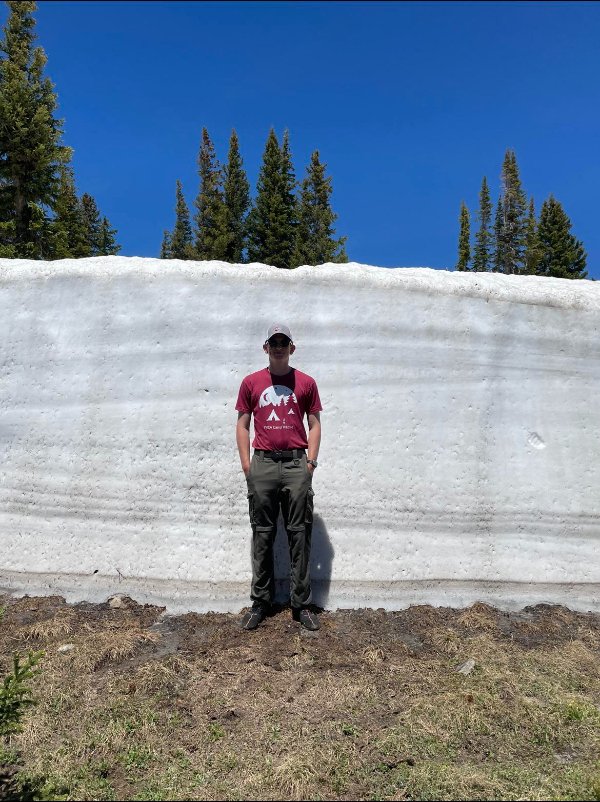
(279, 404)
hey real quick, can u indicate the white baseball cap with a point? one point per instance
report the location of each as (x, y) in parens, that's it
(279, 328)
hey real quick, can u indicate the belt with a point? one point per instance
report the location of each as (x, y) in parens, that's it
(294, 453)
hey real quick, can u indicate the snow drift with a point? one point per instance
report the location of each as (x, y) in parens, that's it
(460, 457)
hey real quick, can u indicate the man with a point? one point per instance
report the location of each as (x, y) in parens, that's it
(279, 476)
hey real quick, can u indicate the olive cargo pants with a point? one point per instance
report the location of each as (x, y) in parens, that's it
(280, 482)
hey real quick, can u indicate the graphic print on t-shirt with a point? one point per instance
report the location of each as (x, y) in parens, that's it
(276, 395)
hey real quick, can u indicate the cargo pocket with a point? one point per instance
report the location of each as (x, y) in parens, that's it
(308, 510)
(251, 512)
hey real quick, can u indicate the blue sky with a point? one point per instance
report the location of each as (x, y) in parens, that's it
(409, 104)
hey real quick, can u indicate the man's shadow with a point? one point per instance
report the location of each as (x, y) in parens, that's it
(321, 561)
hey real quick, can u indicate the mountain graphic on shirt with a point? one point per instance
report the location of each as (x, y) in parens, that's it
(275, 395)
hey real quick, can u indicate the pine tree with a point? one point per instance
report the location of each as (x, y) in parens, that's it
(498, 256)
(69, 226)
(107, 244)
(264, 219)
(533, 252)
(30, 153)
(211, 220)
(8, 246)
(562, 255)
(482, 257)
(42, 232)
(165, 248)
(509, 255)
(237, 201)
(290, 220)
(181, 239)
(464, 237)
(315, 243)
(91, 221)
(270, 222)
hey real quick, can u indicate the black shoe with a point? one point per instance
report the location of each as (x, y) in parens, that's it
(253, 618)
(307, 619)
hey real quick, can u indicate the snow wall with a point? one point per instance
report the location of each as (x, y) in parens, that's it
(460, 458)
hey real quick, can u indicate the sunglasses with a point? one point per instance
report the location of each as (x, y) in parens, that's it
(276, 343)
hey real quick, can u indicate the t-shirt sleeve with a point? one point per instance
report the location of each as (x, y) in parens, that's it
(244, 399)
(314, 402)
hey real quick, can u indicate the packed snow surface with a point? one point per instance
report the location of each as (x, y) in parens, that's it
(460, 457)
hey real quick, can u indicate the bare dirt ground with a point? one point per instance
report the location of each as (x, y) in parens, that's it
(134, 704)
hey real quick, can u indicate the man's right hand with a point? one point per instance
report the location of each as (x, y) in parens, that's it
(242, 436)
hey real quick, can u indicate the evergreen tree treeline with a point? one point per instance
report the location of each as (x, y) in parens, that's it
(482, 258)
(520, 244)
(464, 247)
(41, 216)
(287, 225)
(211, 232)
(559, 253)
(315, 241)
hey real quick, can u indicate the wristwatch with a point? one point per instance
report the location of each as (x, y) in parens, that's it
(313, 462)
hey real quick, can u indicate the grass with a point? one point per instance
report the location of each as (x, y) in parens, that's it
(202, 710)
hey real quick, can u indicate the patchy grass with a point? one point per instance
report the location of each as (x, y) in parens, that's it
(146, 707)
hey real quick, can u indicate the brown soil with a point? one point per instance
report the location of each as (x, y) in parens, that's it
(343, 633)
(230, 684)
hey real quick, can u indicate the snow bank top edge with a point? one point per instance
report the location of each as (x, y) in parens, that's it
(555, 292)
